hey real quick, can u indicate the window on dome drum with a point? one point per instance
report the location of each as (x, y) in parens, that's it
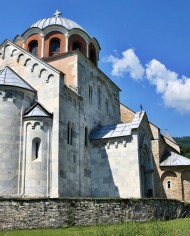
(54, 46)
(36, 143)
(92, 56)
(76, 46)
(33, 48)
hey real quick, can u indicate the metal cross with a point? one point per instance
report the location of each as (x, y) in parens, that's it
(57, 13)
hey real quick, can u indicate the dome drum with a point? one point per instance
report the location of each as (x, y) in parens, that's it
(56, 35)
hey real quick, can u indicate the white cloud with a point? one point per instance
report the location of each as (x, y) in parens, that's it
(128, 63)
(158, 75)
(177, 95)
(175, 90)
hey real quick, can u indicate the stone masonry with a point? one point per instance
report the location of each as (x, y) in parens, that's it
(54, 213)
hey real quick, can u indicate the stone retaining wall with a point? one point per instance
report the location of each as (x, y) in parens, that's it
(53, 213)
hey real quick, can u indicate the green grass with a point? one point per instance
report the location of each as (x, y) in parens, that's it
(179, 227)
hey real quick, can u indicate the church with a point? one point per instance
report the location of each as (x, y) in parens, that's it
(64, 132)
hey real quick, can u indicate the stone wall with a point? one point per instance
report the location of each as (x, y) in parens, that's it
(53, 213)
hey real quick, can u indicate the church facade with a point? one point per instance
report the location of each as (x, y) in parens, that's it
(64, 131)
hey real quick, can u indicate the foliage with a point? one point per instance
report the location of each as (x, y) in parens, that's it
(179, 227)
(184, 143)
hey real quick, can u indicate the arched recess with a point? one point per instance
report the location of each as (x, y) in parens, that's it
(185, 179)
(92, 53)
(33, 47)
(35, 39)
(6, 51)
(169, 185)
(50, 39)
(77, 42)
(146, 172)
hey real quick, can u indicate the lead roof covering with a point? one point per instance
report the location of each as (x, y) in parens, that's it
(68, 24)
(175, 159)
(10, 77)
(37, 110)
(117, 130)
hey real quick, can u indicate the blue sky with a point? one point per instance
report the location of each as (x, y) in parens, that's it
(145, 49)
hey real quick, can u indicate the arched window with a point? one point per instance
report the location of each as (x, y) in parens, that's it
(54, 46)
(76, 46)
(86, 137)
(36, 143)
(69, 133)
(92, 56)
(33, 48)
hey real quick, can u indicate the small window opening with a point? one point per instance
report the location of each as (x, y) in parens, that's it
(55, 46)
(86, 137)
(69, 134)
(76, 46)
(169, 184)
(36, 148)
(33, 48)
(90, 94)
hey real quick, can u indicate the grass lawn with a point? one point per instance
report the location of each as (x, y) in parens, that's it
(179, 227)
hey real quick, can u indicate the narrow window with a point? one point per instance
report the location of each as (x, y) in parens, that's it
(169, 184)
(36, 150)
(69, 133)
(86, 137)
(36, 143)
(33, 48)
(90, 94)
(54, 46)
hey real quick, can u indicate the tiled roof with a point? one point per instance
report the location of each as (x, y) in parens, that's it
(174, 159)
(10, 77)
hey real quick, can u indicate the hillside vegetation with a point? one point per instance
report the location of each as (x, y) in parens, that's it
(184, 143)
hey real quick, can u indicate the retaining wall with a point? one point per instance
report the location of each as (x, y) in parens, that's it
(54, 213)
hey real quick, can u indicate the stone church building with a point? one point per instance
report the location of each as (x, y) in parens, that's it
(63, 131)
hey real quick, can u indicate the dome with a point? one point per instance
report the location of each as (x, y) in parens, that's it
(57, 20)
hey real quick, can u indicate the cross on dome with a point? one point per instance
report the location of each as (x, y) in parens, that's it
(57, 13)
